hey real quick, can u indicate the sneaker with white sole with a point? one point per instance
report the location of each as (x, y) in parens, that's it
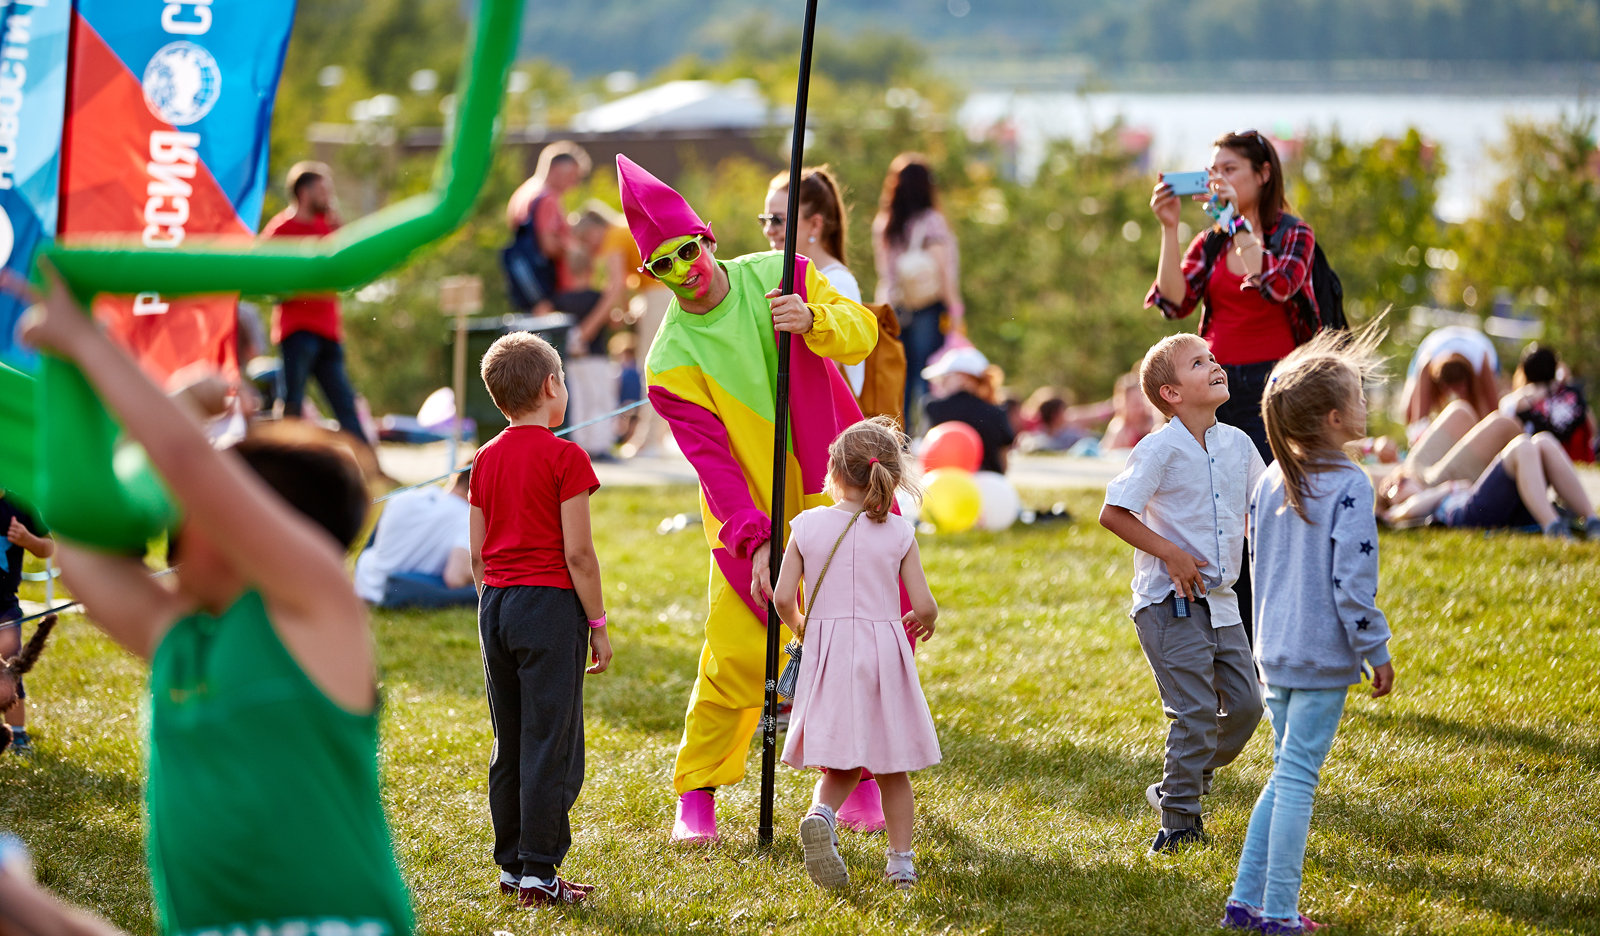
(536, 893)
(1152, 795)
(821, 846)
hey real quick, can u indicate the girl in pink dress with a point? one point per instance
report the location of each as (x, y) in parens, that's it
(858, 703)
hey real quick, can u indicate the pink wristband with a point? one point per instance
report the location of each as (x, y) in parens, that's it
(598, 622)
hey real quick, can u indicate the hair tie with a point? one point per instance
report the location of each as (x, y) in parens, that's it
(872, 461)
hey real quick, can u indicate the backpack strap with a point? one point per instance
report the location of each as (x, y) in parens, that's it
(816, 590)
(1275, 241)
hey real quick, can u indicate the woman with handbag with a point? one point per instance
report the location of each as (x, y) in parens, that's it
(857, 701)
(919, 268)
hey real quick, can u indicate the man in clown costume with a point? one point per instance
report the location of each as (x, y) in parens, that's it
(712, 374)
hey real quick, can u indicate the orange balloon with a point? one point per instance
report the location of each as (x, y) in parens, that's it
(952, 445)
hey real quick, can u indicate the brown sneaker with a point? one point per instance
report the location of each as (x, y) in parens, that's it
(556, 892)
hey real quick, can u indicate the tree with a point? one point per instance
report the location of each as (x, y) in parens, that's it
(1371, 206)
(1536, 240)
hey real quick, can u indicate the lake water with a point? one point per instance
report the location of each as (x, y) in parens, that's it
(1183, 125)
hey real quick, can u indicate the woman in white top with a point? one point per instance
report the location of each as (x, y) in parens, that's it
(819, 236)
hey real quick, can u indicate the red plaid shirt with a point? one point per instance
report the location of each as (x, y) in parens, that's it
(1283, 274)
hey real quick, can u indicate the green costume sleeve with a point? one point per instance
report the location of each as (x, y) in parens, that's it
(100, 491)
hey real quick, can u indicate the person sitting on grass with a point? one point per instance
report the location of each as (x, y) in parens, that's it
(541, 615)
(1181, 504)
(1314, 545)
(963, 392)
(262, 801)
(1544, 399)
(1513, 492)
(24, 533)
(421, 552)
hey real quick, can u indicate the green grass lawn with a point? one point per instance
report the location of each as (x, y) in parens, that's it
(1464, 802)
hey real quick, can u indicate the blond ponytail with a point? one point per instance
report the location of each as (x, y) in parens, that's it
(1322, 375)
(870, 455)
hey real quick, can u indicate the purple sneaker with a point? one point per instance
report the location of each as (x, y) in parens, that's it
(1279, 927)
(1240, 916)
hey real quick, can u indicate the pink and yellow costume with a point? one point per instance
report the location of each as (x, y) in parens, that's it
(713, 378)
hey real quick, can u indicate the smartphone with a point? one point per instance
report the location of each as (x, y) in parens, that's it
(1188, 183)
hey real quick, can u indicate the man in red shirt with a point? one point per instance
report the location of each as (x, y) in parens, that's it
(307, 328)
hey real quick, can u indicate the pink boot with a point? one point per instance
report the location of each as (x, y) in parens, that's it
(697, 819)
(863, 808)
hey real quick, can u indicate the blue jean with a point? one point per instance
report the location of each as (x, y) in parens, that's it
(1304, 722)
(415, 590)
(308, 354)
(923, 338)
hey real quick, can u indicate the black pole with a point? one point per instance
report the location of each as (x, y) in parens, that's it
(780, 442)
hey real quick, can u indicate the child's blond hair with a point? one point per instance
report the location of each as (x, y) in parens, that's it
(515, 369)
(1160, 368)
(871, 455)
(1322, 375)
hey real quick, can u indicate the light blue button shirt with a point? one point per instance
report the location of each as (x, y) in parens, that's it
(1199, 498)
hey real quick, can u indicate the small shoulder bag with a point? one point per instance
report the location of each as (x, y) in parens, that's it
(790, 678)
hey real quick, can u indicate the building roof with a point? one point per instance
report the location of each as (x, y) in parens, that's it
(679, 105)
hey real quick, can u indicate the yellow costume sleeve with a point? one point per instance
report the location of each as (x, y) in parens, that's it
(843, 329)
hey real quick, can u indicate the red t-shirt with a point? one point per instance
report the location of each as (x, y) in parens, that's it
(318, 314)
(519, 481)
(1245, 327)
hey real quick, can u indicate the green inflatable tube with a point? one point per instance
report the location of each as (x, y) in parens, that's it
(92, 487)
(18, 474)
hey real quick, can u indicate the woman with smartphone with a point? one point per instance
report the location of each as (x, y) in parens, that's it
(1248, 268)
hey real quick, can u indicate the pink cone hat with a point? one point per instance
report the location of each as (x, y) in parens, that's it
(655, 212)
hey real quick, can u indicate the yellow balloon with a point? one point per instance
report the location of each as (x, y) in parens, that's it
(951, 500)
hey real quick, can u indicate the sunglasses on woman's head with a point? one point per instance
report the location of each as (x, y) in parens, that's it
(688, 252)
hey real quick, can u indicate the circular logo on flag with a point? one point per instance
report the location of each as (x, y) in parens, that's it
(182, 83)
(8, 237)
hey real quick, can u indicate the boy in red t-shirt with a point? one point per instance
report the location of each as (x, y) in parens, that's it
(538, 582)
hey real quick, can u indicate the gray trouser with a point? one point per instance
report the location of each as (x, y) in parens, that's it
(534, 641)
(1209, 691)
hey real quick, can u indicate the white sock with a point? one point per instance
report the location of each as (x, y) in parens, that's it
(899, 861)
(825, 811)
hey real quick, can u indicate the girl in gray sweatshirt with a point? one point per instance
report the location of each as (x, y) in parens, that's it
(1314, 554)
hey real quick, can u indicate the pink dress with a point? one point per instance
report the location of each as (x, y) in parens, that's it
(859, 702)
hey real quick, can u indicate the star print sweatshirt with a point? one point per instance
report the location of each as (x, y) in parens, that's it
(1316, 581)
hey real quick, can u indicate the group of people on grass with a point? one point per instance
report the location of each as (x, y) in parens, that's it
(264, 829)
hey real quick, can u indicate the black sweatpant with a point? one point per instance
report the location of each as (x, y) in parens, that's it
(535, 642)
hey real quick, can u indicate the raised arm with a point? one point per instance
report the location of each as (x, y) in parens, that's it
(298, 568)
(120, 597)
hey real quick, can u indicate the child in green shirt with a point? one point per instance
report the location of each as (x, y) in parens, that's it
(263, 795)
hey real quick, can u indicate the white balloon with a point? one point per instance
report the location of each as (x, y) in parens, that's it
(910, 507)
(1001, 504)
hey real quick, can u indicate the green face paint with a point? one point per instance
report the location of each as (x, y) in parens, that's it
(688, 280)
